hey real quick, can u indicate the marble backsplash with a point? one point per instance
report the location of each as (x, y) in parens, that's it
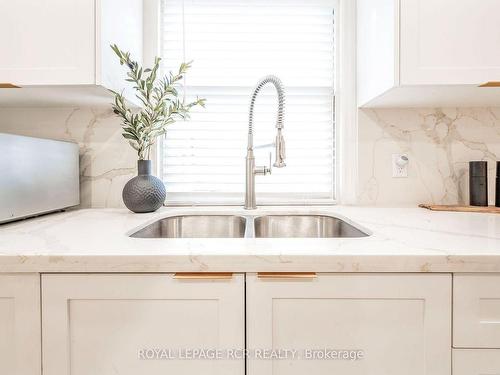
(107, 162)
(438, 142)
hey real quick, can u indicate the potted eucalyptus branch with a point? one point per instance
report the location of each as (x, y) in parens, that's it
(160, 107)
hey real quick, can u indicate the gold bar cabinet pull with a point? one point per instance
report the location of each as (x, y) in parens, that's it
(286, 275)
(491, 84)
(6, 85)
(203, 275)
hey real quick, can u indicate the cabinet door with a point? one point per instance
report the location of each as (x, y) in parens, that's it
(476, 310)
(476, 362)
(449, 42)
(400, 323)
(50, 42)
(20, 324)
(377, 45)
(111, 324)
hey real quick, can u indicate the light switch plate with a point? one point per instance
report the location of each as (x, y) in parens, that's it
(400, 165)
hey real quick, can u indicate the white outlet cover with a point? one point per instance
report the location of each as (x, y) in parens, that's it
(399, 168)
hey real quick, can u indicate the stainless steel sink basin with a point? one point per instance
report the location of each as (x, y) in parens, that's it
(250, 226)
(195, 226)
(304, 226)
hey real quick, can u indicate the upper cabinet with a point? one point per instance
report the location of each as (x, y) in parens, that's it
(428, 52)
(58, 50)
(448, 43)
(48, 42)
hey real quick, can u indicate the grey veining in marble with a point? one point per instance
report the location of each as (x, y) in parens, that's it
(107, 162)
(401, 240)
(439, 143)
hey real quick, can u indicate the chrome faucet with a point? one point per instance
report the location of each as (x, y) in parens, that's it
(251, 169)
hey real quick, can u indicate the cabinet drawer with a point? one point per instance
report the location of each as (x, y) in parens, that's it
(476, 362)
(476, 311)
(113, 323)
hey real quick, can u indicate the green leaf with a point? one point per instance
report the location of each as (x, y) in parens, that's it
(159, 97)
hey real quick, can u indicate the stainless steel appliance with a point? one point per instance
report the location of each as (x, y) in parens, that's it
(36, 176)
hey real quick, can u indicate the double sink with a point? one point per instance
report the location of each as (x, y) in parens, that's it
(247, 226)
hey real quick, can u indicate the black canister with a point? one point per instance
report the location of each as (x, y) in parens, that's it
(478, 183)
(497, 188)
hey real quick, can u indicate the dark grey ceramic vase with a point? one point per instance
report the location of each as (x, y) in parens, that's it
(145, 192)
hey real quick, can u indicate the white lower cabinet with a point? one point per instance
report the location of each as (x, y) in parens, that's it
(20, 324)
(400, 322)
(476, 311)
(349, 324)
(96, 324)
(476, 362)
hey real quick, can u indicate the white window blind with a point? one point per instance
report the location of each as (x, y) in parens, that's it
(233, 43)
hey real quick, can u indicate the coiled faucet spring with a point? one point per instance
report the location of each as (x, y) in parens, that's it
(280, 142)
(251, 169)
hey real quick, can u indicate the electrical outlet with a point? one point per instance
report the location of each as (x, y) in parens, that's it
(400, 165)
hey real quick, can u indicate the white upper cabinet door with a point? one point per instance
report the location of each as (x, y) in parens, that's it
(377, 47)
(476, 311)
(401, 323)
(450, 42)
(112, 323)
(20, 324)
(58, 51)
(120, 22)
(49, 42)
(428, 53)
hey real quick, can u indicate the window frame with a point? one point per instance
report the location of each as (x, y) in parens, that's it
(344, 106)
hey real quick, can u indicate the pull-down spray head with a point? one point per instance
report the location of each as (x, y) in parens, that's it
(280, 150)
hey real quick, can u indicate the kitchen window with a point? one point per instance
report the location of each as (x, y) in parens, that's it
(232, 45)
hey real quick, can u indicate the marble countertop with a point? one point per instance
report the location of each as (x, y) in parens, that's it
(401, 240)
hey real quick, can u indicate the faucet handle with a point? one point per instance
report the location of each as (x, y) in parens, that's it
(263, 170)
(267, 145)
